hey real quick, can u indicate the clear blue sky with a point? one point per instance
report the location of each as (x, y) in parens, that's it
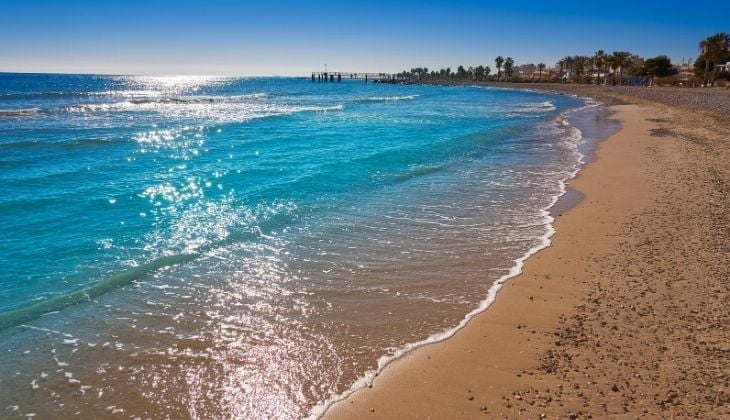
(271, 37)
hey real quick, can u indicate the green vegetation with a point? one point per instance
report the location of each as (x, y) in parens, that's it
(498, 62)
(509, 67)
(600, 59)
(715, 51)
(660, 66)
(615, 68)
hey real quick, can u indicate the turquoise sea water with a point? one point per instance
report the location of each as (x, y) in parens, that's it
(200, 246)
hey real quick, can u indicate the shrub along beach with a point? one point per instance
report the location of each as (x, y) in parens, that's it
(626, 314)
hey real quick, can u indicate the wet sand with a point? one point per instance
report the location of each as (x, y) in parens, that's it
(625, 314)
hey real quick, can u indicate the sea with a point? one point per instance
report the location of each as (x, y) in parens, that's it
(237, 247)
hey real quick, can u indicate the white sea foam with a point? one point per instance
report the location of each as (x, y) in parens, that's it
(575, 137)
(389, 98)
(216, 111)
(21, 112)
(535, 107)
(200, 99)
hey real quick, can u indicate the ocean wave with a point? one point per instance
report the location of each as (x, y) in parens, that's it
(75, 143)
(163, 100)
(110, 93)
(218, 112)
(36, 95)
(215, 108)
(34, 310)
(339, 107)
(92, 107)
(377, 99)
(20, 112)
(197, 232)
(414, 171)
(200, 99)
(535, 107)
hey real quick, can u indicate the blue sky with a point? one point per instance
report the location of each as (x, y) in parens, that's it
(288, 38)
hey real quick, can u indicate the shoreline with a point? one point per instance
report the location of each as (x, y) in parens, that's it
(448, 379)
(711, 99)
(561, 203)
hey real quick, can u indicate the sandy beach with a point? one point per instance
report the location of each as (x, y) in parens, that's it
(390, 210)
(625, 314)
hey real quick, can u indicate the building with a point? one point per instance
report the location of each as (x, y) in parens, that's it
(526, 71)
(685, 70)
(532, 72)
(723, 67)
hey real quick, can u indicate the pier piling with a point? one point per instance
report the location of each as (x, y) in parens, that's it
(332, 77)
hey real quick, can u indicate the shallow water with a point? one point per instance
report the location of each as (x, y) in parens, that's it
(227, 247)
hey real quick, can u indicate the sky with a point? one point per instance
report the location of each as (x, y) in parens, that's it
(269, 37)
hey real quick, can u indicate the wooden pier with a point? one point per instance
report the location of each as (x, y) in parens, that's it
(337, 76)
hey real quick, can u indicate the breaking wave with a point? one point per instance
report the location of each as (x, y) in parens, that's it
(377, 99)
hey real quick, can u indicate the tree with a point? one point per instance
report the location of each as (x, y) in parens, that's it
(461, 72)
(487, 70)
(579, 66)
(509, 64)
(714, 49)
(612, 62)
(620, 60)
(479, 72)
(660, 66)
(699, 66)
(498, 62)
(561, 63)
(541, 67)
(599, 61)
(569, 62)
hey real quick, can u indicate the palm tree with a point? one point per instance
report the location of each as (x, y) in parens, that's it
(612, 62)
(487, 70)
(626, 63)
(579, 67)
(509, 66)
(541, 67)
(582, 65)
(498, 62)
(569, 63)
(714, 48)
(599, 60)
(620, 60)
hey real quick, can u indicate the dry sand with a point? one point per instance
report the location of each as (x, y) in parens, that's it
(624, 315)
